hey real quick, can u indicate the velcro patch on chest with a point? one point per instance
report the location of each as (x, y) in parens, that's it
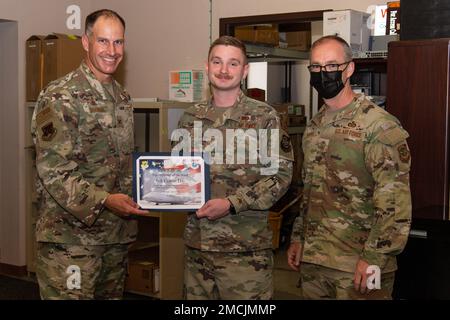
(87, 98)
(97, 109)
(349, 132)
(248, 121)
(44, 116)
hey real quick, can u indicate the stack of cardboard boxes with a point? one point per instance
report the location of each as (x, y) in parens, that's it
(262, 34)
(49, 58)
(296, 40)
(291, 114)
(269, 34)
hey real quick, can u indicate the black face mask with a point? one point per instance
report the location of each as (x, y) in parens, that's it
(327, 83)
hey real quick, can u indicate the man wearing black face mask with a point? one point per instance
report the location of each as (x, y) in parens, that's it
(355, 214)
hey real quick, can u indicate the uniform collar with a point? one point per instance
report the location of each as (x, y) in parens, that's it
(98, 87)
(348, 112)
(233, 113)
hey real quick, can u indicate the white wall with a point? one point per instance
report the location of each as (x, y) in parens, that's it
(33, 17)
(161, 36)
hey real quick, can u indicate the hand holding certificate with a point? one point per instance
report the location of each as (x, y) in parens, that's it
(164, 182)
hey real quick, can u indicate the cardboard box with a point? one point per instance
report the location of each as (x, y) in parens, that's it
(61, 54)
(296, 140)
(351, 26)
(34, 67)
(296, 120)
(393, 18)
(264, 33)
(379, 22)
(299, 40)
(186, 85)
(282, 110)
(257, 94)
(141, 278)
(156, 279)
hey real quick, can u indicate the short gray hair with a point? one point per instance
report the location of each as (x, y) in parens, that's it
(347, 50)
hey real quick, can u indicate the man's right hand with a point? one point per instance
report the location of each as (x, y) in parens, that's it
(294, 254)
(122, 205)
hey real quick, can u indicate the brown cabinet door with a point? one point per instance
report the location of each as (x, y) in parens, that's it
(50, 51)
(33, 69)
(417, 94)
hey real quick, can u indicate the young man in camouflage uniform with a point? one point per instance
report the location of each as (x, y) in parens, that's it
(228, 240)
(356, 206)
(83, 132)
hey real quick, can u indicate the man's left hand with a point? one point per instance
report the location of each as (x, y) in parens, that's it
(360, 279)
(214, 209)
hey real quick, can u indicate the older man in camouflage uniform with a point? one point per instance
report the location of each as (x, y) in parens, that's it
(83, 131)
(228, 240)
(356, 207)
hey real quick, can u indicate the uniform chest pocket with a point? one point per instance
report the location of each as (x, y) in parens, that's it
(345, 153)
(95, 135)
(124, 117)
(315, 151)
(123, 131)
(345, 165)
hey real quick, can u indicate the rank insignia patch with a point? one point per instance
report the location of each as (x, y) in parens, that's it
(48, 132)
(404, 153)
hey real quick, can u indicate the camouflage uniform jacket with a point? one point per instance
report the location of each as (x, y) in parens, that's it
(84, 139)
(357, 201)
(251, 193)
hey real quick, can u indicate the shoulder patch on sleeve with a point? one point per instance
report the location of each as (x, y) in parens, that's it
(44, 115)
(47, 125)
(285, 143)
(393, 136)
(403, 153)
(48, 132)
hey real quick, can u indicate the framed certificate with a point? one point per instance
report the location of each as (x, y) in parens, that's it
(165, 182)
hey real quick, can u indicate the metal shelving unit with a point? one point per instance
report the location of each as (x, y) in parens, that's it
(257, 53)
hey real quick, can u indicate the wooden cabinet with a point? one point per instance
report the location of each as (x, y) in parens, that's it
(418, 95)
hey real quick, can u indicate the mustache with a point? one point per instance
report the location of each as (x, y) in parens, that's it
(225, 76)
